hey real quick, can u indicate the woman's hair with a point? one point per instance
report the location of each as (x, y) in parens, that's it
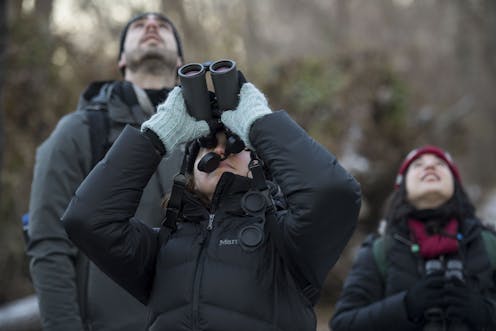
(189, 187)
(189, 158)
(398, 207)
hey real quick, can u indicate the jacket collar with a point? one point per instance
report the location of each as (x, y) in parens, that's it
(125, 102)
(226, 199)
(470, 228)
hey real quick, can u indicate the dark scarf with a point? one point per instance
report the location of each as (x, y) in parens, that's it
(435, 231)
(124, 89)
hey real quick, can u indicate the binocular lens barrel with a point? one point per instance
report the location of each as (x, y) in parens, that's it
(225, 80)
(433, 265)
(222, 66)
(454, 269)
(196, 95)
(194, 87)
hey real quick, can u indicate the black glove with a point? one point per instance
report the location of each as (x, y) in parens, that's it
(426, 293)
(466, 304)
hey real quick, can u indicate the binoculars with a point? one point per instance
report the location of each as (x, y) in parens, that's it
(452, 268)
(435, 321)
(201, 105)
(197, 97)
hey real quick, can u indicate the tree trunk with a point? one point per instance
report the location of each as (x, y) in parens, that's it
(191, 31)
(43, 10)
(3, 56)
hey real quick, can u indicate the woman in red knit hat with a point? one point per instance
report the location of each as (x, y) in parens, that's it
(432, 269)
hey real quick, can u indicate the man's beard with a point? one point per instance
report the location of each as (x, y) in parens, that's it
(151, 60)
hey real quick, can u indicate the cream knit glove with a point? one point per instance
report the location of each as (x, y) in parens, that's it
(173, 125)
(252, 106)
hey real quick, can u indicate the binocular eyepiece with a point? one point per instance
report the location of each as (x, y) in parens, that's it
(453, 268)
(224, 77)
(201, 105)
(210, 161)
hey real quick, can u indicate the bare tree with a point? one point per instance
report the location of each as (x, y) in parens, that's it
(43, 10)
(191, 29)
(3, 48)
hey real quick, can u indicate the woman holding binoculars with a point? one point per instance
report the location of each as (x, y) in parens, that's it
(243, 255)
(434, 268)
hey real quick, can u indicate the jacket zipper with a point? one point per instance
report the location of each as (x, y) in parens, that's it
(200, 264)
(210, 224)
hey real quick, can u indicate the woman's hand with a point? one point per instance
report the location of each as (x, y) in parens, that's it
(173, 125)
(466, 304)
(427, 293)
(252, 106)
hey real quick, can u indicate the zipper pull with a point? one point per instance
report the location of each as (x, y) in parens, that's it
(210, 222)
(414, 247)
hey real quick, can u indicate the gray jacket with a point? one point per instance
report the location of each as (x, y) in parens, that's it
(62, 162)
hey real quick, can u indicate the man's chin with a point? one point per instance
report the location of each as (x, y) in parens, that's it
(154, 57)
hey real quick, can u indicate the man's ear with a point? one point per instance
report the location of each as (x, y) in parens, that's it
(122, 61)
(179, 63)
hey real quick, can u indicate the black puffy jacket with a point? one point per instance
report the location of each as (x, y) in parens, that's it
(373, 301)
(202, 278)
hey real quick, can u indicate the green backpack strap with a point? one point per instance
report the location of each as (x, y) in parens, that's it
(489, 239)
(379, 250)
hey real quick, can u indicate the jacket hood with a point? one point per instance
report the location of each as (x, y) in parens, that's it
(96, 92)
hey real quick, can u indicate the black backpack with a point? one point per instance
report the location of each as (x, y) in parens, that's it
(99, 123)
(99, 129)
(96, 99)
(94, 102)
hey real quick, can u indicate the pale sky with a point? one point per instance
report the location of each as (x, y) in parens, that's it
(66, 16)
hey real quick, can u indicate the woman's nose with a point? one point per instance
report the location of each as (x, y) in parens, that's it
(220, 149)
(430, 164)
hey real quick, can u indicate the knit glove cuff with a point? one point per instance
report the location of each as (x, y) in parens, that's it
(252, 106)
(173, 125)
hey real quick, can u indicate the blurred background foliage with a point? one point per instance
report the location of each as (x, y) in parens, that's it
(370, 80)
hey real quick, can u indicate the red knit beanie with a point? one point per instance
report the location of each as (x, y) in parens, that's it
(428, 149)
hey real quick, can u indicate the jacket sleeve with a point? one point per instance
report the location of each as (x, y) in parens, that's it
(323, 199)
(99, 219)
(62, 161)
(362, 305)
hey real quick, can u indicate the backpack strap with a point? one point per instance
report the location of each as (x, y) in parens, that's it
(82, 272)
(489, 239)
(379, 251)
(99, 123)
(174, 209)
(175, 204)
(99, 129)
(139, 112)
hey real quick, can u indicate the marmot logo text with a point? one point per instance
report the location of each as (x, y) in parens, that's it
(228, 242)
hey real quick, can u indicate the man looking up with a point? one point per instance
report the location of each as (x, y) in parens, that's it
(73, 293)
